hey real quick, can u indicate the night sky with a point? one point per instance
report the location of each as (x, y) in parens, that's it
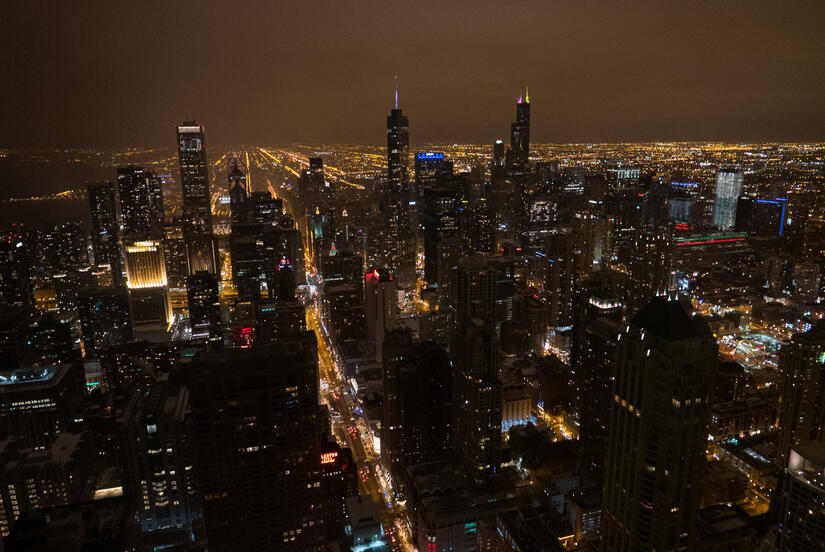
(124, 73)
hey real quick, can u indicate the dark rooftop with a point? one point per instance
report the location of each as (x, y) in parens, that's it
(667, 319)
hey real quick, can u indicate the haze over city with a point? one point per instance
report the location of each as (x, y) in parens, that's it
(412, 277)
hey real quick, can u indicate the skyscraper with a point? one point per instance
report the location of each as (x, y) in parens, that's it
(204, 306)
(147, 282)
(398, 345)
(159, 458)
(651, 259)
(396, 200)
(398, 153)
(257, 446)
(197, 200)
(141, 202)
(802, 368)
(380, 307)
(15, 269)
(729, 184)
(802, 507)
(477, 400)
(105, 228)
(238, 194)
(518, 172)
(658, 430)
(105, 319)
(520, 131)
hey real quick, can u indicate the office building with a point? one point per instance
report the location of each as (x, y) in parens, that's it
(380, 307)
(147, 283)
(477, 392)
(440, 226)
(520, 131)
(204, 306)
(54, 474)
(159, 458)
(256, 434)
(658, 430)
(141, 203)
(197, 200)
(238, 194)
(105, 319)
(106, 525)
(16, 289)
(38, 403)
(105, 228)
(398, 153)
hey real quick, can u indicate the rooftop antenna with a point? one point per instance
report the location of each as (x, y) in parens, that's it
(396, 91)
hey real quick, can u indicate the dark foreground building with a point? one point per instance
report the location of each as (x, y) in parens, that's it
(256, 432)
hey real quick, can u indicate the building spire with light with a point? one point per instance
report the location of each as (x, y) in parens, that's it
(396, 91)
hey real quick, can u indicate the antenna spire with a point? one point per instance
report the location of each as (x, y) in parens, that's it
(396, 91)
(526, 94)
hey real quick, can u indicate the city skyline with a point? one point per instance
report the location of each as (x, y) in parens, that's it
(434, 344)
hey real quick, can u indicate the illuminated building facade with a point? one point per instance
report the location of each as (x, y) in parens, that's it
(658, 430)
(197, 213)
(147, 283)
(729, 185)
(257, 446)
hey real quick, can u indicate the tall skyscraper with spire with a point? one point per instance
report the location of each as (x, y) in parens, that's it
(398, 153)
(197, 205)
(396, 200)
